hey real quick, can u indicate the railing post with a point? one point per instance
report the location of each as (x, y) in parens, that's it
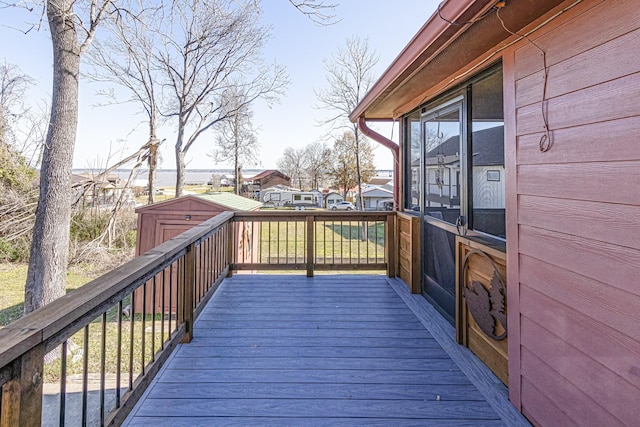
(230, 246)
(22, 396)
(310, 255)
(391, 245)
(188, 289)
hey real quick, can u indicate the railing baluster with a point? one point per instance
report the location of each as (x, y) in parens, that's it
(188, 278)
(163, 307)
(85, 375)
(310, 245)
(132, 313)
(63, 384)
(142, 329)
(170, 297)
(103, 355)
(118, 354)
(153, 319)
(367, 238)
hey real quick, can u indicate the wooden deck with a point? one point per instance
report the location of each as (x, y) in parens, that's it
(328, 350)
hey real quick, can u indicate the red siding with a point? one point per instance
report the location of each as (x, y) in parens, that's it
(574, 218)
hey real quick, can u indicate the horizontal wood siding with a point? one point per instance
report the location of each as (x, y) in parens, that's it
(577, 219)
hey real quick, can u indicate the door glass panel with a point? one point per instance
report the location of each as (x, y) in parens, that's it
(414, 161)
(442, 204)
(442, 166)
(487, 157)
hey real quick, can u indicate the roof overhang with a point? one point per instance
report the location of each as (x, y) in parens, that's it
(441, 49)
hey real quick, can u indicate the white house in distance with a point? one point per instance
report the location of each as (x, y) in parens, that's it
(377, 198)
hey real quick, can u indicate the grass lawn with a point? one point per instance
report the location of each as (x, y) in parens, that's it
(334, 242)
(13, 277)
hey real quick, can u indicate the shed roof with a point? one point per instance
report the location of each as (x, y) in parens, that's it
(232, 201)
(223, 199)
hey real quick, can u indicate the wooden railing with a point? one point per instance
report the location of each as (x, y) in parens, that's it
(314, 240)
(88, 356)
(98, 347)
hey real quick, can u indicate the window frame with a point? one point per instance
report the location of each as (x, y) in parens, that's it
(462, 93)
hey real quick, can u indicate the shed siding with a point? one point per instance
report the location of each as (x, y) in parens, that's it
(574, 243)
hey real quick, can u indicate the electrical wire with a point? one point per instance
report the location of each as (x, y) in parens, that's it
(546, 140)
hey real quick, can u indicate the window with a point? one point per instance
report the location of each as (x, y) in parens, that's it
(413, 161)
(487, 212)
(454, 157)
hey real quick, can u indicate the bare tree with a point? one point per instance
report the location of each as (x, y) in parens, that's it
(22, 127)
(318, 163)
(318, 11)
(71, 34)
(13, 85)
(343, 171)
(349, 78)
(126, 58)
(236, 141)
(293, 163)
(207, 45)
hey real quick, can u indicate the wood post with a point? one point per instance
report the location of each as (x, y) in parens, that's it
(310, 243)
(189, 280)
(229, 258)
(22, 396)
(391, 245)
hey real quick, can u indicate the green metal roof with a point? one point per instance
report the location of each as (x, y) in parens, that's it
(232, 201)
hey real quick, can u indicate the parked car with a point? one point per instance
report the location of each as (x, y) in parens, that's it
(345, 206)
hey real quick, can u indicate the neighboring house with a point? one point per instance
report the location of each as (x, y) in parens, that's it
(376, 198)
(93, 189)
(519, 157)
(265, 179)
(332, 198)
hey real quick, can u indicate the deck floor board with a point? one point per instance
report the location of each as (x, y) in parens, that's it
(329, 350)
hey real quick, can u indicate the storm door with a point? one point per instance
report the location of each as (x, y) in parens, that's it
(444, 175)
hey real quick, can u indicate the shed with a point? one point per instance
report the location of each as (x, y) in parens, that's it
(163, 221)
(519, 158)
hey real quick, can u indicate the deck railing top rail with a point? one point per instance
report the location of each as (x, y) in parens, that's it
(55, 322)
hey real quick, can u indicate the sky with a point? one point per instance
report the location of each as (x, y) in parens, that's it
(107, 133)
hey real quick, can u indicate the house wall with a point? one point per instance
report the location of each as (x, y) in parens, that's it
(573, 216)
(488, 194)
(273, 180)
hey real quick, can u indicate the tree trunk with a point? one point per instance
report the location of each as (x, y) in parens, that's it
(46, 277)
(153, 156)
(180, 167)
(358, 174)
(153, 163)
(180, 155)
